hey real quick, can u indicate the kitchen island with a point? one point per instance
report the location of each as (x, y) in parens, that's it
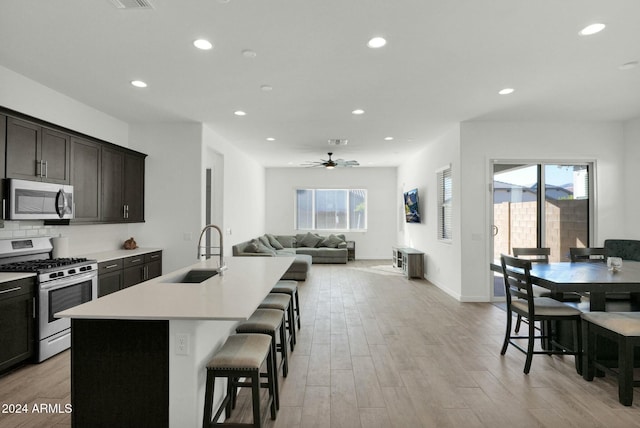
(138, 356)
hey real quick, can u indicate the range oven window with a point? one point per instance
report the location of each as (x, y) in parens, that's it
(64, 298)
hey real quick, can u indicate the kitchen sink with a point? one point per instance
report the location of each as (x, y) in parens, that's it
(194, 276)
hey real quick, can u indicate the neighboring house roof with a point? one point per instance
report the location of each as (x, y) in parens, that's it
(504, 192)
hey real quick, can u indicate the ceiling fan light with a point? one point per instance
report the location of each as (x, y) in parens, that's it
(329, 166)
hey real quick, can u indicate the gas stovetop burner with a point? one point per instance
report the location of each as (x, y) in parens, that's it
(43, 265)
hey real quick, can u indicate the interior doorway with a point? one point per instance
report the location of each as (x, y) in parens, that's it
(212, 197)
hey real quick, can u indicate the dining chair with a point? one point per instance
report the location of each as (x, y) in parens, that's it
(589, 254)
(521, 301)
(540, 255)
(596, 255)
(535, 255)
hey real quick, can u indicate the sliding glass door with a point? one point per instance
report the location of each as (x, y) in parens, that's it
(540, 205)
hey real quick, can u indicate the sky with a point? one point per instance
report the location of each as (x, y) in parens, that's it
(526, 176)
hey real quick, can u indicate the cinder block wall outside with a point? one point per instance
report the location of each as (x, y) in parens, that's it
(566, 226)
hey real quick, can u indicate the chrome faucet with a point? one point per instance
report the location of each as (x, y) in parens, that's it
(221, 265)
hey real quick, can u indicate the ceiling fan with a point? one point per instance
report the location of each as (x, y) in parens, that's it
(330, 163)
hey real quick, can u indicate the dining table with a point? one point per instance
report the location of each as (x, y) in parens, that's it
(595, 278)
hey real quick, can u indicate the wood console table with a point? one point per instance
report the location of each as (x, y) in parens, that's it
(410, 260)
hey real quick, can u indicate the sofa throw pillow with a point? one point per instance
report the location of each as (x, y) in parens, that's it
(331, 241)
(287, 241)
(310, 240)
(264, 249)
(251, 247)
(265, 241)
(274, 242)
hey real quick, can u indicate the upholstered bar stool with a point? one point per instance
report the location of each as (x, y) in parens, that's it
(282, 302)
(290, 288)
(270, 321)
(241, 356)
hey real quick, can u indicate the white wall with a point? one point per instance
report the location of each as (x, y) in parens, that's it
(442, 259)
(243, 207)
(172, 190)
(631, 165)
(177, 156)
(29, 97)
(483, 141)
(382, 203)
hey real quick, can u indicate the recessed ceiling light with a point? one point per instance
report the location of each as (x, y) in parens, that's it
(628, 65)
(271, 139)
(203, 44)
(592, 29)
(266, 88)
(358, 111)
(506, 91)
(376, 42)
(388, 138)
(248, 53)
(138, 83)
(239, 113)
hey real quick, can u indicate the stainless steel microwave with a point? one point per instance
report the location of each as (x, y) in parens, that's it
(34, 200)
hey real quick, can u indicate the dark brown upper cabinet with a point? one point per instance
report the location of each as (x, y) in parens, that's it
(37, 153)
(122, 186)
(3, 148)
(86, 180)
(108, 180)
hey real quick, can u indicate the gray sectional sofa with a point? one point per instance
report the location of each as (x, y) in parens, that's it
(307, 248)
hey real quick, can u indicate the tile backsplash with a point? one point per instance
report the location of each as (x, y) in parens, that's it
(26, 229)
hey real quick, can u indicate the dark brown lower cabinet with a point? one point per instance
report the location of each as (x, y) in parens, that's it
(117, 274)
(109, 283)
(120, 373)
(16, 321)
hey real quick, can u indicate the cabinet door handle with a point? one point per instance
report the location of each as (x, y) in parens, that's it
(124, 211)
(46, 169)
(10, 290)
(111, 266)
(33, 314)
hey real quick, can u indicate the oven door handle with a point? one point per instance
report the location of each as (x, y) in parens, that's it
(65, 282)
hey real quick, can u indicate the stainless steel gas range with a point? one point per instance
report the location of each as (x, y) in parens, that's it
(61, 283)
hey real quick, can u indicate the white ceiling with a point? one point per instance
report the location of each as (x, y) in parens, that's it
(444, 63)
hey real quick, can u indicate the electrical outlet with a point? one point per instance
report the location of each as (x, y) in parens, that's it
(182, 344)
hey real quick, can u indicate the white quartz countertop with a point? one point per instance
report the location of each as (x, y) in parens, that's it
(233, 296)
(104, 256)
(13, 276)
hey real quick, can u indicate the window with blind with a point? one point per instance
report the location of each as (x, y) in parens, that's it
(444, 204)
(331, 209)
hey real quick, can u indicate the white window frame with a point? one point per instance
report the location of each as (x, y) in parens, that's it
(313, 205)
(445, 207)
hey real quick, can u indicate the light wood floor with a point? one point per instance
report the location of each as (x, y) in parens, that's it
(378, 350)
